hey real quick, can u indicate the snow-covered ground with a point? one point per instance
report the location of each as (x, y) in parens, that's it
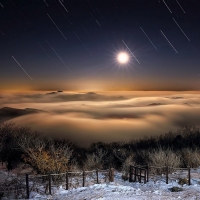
(124, 190)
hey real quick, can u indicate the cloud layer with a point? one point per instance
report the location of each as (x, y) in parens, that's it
(90, 117)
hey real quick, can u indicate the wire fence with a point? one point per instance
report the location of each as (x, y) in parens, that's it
(13, 186)
(168, 174)
(21, 186)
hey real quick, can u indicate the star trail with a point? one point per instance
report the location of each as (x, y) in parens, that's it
(87, 35)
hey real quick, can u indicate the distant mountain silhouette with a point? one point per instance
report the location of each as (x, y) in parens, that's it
(174, 97)
(91, 93)
(177, 98)
(59, 91)
(156, 104)
(51, 93)
(7, 113)
(59, 96)
(90, 96)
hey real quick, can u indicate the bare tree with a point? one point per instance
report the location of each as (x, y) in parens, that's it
(190, 157)
(96, 160)
(126, 157)
(161, 158)
(45, 155)
(8, 152)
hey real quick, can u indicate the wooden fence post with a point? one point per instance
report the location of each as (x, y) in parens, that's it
(189, 175)
(97, 173)
(140, 176)
(83, 178)
(167, 174)
(135, 176)
(111, 175)
(67, 181)
(49, 184)
(27, 187)
(131, 174)
(147, 172)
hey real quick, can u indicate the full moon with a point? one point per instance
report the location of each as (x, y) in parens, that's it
(123, 58)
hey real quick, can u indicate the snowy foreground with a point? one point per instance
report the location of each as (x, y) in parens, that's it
(124, 190)
(155, 189)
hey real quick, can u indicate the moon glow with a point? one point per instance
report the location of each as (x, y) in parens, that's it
(122, 58)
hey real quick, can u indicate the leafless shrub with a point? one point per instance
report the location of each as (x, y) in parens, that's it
(191, 157)
(44, 154)
(126, 166)
(161, 158)
(95, 160)
(182, 181)
(121, 154)
(74, 165)
(142, 157)
(8, 146)
(126, 157)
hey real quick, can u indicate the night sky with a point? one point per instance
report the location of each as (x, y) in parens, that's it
(73, 45)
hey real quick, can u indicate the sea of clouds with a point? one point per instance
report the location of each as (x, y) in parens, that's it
(91, 117)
